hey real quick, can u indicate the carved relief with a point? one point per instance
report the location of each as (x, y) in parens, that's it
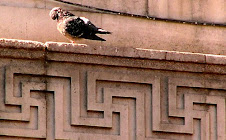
(68, 104)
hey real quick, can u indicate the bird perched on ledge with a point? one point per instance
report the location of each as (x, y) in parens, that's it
(74, 27)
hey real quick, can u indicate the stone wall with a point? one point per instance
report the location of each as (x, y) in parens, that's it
(198, 10)
(30, 20)
(63, 91)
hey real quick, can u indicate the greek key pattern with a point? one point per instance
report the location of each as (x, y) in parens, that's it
(83, 104)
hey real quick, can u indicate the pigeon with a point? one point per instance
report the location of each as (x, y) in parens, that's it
(75, 27)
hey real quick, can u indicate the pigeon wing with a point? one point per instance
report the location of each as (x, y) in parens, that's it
(91, 27)
(74, 26)
(91, 30)
(81, 27)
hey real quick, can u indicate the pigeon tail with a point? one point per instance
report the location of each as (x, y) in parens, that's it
(94, 37)
(102, 31)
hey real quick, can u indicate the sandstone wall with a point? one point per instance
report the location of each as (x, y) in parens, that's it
(62, 91)
(29, 20)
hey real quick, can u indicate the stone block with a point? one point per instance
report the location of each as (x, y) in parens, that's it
(215, 59)
(202, 11)
(186, 57)
(26, 49)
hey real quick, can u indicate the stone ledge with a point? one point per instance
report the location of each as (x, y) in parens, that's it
(137, 53)
(140, 53)
(21, 44)
(23, 49)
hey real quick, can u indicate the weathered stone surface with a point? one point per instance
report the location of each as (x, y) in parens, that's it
(35, 24)
(128, 6)
(100, 93)
(198, 10)
(212, 11)
(108, 51)
(187, 57)
(21, 44)
(12, 48)
(216, 59)
(24, 3)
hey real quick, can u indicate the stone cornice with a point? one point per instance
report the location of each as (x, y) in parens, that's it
(123, 56)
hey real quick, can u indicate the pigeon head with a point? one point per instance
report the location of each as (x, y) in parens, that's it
(56, 13)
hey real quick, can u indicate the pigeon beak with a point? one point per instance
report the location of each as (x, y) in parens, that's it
(54, 16)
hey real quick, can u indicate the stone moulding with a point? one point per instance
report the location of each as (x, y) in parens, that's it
(63, 91)
(170, 60)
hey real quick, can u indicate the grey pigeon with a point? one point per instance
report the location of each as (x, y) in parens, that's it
(74, 27)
